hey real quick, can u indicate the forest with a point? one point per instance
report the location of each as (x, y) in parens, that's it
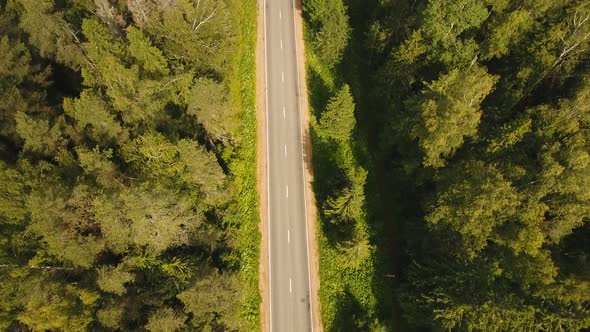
(127, 166)
(452, 163)
(451, 152)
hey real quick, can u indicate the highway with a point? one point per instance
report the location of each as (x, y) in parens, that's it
(289, 277)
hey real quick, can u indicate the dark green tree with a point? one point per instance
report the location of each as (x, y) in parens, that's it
(330, 20)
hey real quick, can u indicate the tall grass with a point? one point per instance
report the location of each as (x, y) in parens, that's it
(350, 296)
(243, 167)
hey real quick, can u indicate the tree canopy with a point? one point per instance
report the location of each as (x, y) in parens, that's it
(471, 121)
(118, 209)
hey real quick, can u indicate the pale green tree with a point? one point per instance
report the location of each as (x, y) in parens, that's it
(162, 218)
(338, 120)
(506, 30)
(355, 252)
(111, 315)
(211, 301)
(193, 34)
(98, 164)
(473, 199)
(93, 115)
(65, 222)
(114, 279)
(12, 195)
(448, 110)
(54, 306)
(38, 134)
(149, 57)
(208, 102)
(49, 32)
(165, 320)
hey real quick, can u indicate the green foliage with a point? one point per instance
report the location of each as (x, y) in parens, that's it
(185, 163)
(511, 134)
(211, 300)
(160, 218)
(56, 307)
(346, 248)
(165, 320)
(474, 207)
(49, 31)
(147, 56)
(472, 122)
(126, 135)
(19, 83)
(445, 20)
(356, 252)
(461, 298)
(195, 35)
(338, 120)
(208, 103)
(12, 207)
(113, 279)
(92, 115)
(348, 204)
(38, 135)
(110, 316)
(243, 91)
(449, 112)
(14, 294)
(98, 164)
(507, 30)
(329, 22)
(480, 109)
(65, 222)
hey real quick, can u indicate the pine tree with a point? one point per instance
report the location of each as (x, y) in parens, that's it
(208, 103)
(57, 307)
(165, 320)
(113, 279)
(473, 200)
(448, 110)
(149, 57)
(338, 120)
(49, 31)
(210, 301)
(330, 20)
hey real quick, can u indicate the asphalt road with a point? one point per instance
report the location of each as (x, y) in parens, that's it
(289, 289)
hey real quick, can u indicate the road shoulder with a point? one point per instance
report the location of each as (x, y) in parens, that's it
(308, 171)
(261, 164)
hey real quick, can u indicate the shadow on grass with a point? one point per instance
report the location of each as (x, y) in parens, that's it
(354, 312)
(319, 92)
(350, 315)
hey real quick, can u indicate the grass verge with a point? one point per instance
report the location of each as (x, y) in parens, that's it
(243, 92)
(352, 297)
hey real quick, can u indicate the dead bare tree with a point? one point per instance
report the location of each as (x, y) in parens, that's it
(109, 15)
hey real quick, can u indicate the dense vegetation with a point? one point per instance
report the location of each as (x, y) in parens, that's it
(126, 134)
(350, 289)
(474, 116)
